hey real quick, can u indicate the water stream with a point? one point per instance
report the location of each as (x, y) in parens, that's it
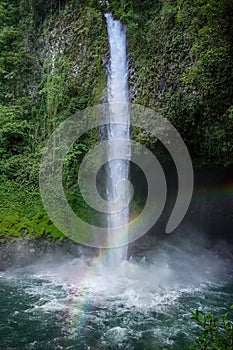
(118, 98)
(84, 303)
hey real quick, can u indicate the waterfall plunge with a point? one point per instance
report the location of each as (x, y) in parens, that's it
(118, 98)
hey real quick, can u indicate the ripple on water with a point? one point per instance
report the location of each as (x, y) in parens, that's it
(76, 304)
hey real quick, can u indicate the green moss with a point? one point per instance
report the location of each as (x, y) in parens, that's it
(51, 66)
(22, 212)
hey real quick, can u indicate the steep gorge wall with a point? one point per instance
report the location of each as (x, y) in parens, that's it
(52, 62)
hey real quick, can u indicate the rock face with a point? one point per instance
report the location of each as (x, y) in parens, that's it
(53, 56)
(23, 251)
(209, 217)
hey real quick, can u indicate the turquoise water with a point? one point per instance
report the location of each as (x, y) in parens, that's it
(61, 303)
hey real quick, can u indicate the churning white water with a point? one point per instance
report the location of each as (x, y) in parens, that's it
(77, 303)
(118, 169)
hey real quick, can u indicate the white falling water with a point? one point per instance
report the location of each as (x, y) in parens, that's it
(118, 98)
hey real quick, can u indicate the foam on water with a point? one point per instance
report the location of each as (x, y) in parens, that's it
(140, 302)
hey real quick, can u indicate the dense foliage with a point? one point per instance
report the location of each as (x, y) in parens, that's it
(215, 332)
(52, 57)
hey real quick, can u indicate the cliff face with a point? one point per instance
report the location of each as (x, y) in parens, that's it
(180, 58)
(52, 57)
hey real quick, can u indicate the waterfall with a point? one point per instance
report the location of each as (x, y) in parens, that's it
(118, 98)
